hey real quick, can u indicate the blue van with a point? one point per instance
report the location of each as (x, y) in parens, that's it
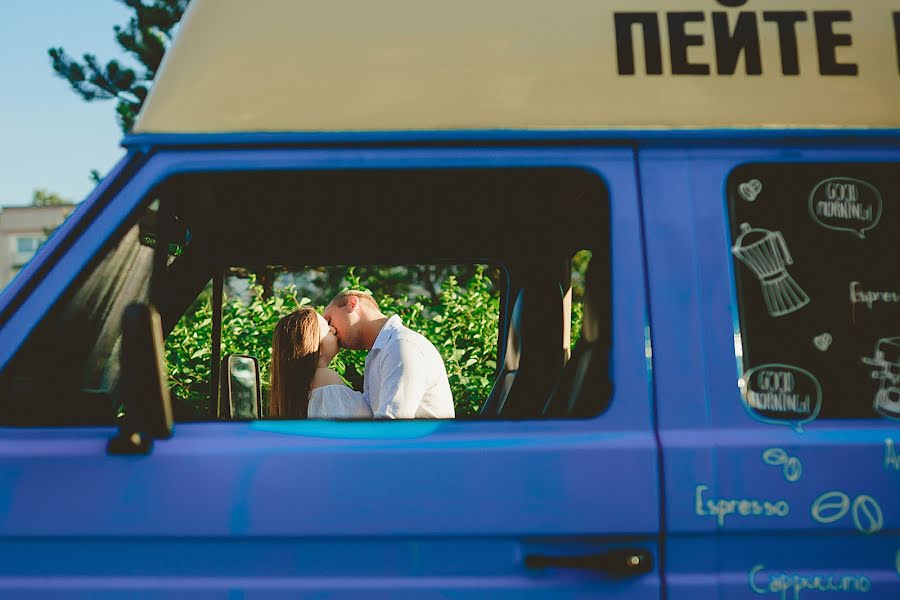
(725, 428)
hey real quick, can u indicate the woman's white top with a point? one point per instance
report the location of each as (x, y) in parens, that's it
(337, 401)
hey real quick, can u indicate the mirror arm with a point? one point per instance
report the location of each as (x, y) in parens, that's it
(144, 383)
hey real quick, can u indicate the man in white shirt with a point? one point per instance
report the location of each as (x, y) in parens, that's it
(405, 377)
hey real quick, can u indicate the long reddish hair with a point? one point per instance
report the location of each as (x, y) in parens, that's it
(295, 355)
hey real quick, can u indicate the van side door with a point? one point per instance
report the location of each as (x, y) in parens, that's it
(773, 283)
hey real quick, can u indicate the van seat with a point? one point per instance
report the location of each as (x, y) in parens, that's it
(584, 389)
(534, 355)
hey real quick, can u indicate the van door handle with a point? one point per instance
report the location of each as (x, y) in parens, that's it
(617, 563)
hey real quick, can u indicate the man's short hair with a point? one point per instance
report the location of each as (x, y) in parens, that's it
(341, 299)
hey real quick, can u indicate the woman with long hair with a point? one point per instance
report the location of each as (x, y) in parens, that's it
(302, 384)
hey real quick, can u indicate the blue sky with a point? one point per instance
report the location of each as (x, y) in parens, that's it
(49, 137)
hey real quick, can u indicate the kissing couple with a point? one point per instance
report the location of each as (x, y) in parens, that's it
(404, 378)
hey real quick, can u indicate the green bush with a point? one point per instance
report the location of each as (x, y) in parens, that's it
(461, 321)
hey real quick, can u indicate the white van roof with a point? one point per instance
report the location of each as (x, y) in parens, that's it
(394, 65)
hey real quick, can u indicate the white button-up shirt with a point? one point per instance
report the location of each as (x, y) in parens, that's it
(405, 377)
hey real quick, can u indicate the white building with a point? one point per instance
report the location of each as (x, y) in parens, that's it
(22, 230)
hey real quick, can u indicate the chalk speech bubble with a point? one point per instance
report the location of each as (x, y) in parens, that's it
(781, 394)
(845, 204)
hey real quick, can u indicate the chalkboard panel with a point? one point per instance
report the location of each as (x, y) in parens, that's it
(816, 251)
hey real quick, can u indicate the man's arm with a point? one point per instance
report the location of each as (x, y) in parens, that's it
(399, 387)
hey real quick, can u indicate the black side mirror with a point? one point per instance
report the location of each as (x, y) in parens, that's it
(241, 390)
(143, 383)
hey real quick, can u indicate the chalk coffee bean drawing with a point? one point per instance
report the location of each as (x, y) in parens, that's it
(791, 465)
(823, 341)
(750, 191)
(867, 515)
(830, 507)
(834, 506)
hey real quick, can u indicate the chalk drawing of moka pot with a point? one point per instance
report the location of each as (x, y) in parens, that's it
(887, 361)
(766, 254)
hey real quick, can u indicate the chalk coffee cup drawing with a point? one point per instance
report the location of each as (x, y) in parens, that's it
(781, 394)
(845, 204)
(887, 371)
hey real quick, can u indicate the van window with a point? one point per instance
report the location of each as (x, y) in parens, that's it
(457, 307)
(497, 243)
(815, 252)
(67, 371)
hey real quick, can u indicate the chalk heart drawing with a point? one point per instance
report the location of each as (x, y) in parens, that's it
(823, 341)
(781, 394)
(845, 204)
(750, 191)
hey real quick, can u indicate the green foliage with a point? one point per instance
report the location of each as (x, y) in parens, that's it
(42, 197)
(144, 39)
(461, 321)
(188, 352)
(246, 329)
(579, 269)
(577, 318)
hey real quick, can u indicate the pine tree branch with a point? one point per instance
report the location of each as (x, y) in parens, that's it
(147, 32)
(106, 80)
(74, 73)
(145, 37)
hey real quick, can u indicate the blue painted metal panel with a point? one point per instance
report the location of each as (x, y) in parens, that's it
(378, 506)
(839, 519)
(237, 479)
(644, 137)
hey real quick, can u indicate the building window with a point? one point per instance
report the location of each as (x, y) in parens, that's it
(28, 245)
